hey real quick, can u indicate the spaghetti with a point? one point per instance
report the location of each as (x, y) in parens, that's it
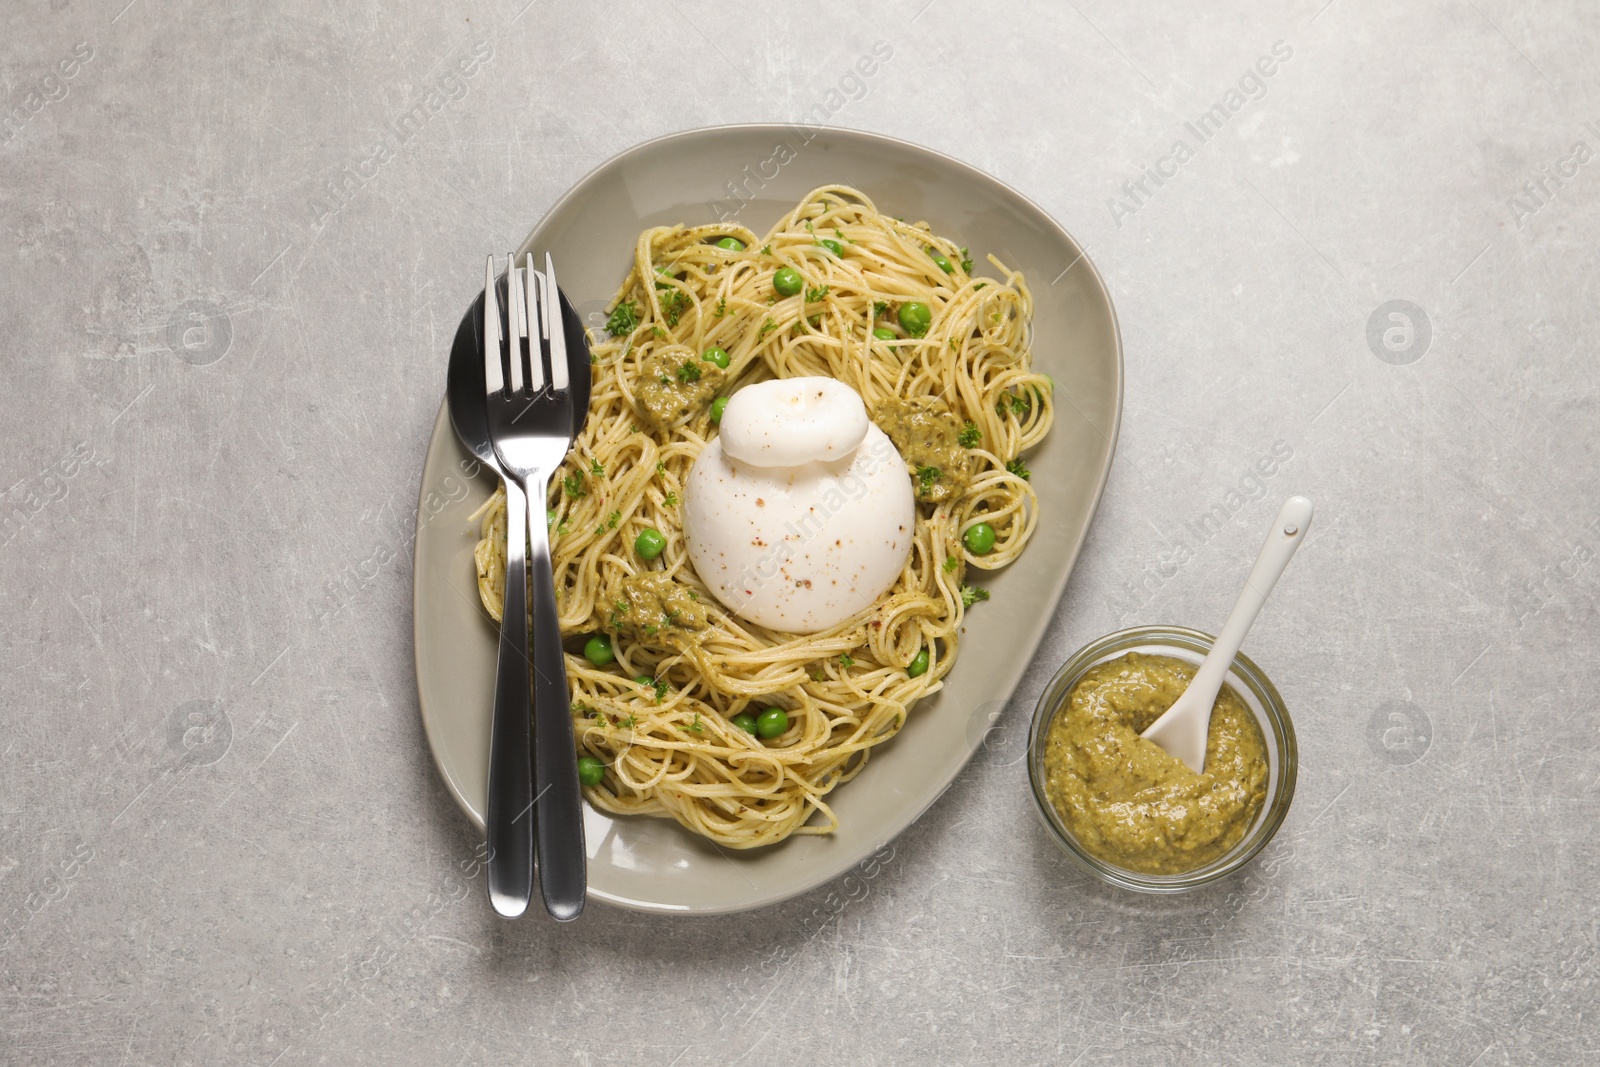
(668, 740)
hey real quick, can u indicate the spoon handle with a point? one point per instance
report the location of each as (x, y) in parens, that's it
(1294, 519)
(509, 815)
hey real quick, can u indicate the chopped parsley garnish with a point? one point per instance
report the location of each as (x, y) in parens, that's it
(813, 295)
(966, 261)
(670, 500)
(879, 307)
(674, 304)
(970, 435)
(722, 307)
(579, 707)
(980, 285)
(971, 594)
(619, 608)
(951, 563)
(572, 485)
(1018, 404)
(612, 520)
(630, 722)
(766, 328)
(563, 529)
(926, 476)
(661, 468)
(696, 726)
(550, 517)
(1017, 467)
(624, 318)
(767, 251)
(659, 332)
(846, 661)
(597, 468)
(689, 372)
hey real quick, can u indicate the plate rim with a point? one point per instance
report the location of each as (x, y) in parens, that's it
(899, 825)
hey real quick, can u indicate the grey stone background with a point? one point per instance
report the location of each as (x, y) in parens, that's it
(226, 297)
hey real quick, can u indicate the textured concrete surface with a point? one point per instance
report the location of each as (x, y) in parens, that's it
(232, 265)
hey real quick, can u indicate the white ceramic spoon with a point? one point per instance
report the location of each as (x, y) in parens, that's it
(1182, 728)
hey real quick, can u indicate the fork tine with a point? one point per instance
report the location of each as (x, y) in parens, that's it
(536, 375)
(555, 325)
(516, 326)
(492, 380)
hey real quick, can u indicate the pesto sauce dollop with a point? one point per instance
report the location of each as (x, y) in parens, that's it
(928, 436)
(1125, 799)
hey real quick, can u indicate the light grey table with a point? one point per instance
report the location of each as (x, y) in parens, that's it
(236, 243)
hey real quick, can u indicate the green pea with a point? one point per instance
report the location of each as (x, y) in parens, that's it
(732, 244)
(941, 260)
(718, 406)
(833, 246)
(979, 538)
(717, 356)
(919, 665)
(915, 318)
(883, 333)
(645, 680)
(649, 543)
(598, 650)
(772, 722)
(746, 722)
(590, 770)
(787, 282)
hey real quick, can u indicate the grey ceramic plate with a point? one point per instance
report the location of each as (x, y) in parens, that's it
(653, 864)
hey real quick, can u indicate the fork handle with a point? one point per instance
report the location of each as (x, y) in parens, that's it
(510, 815)
(558, 827)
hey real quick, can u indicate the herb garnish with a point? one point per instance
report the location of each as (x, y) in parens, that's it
(623, 319)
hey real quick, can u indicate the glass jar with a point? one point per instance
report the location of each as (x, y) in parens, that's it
(1252, 686)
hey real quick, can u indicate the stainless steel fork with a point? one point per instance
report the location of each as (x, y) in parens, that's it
(530, 414)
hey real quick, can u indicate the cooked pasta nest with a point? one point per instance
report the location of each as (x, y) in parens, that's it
(669, 744)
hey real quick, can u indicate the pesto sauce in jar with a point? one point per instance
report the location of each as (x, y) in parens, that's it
(1125, 799)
